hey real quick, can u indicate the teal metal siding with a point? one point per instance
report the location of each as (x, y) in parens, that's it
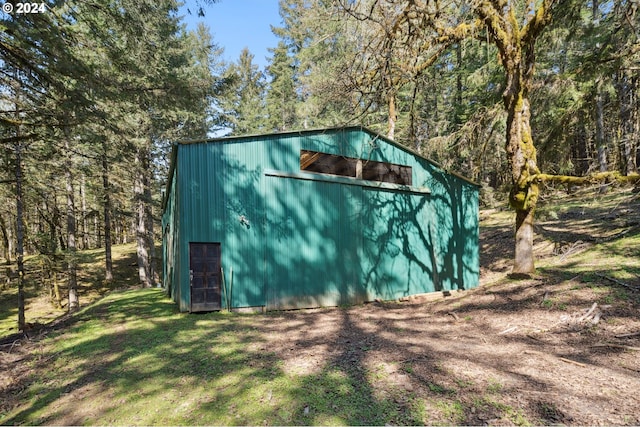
(397, 253)
(294, 242)
(242, 238)
(312, 240)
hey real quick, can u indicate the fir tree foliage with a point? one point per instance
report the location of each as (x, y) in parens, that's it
(91, 96)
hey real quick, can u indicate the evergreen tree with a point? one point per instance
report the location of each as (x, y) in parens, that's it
(102, 87)
(281, 98)
(243, 98)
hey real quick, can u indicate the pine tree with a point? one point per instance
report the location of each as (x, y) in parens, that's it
(243, 97)
(281, 98)
(99, 84)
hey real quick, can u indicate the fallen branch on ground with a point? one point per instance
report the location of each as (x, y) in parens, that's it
(591, 310)
(590, 317)
(11, 345)
(573, 362)
(617, 282)
(635, 334)
(573, 248)
(608, 344)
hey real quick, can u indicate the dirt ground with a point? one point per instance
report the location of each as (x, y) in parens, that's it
(494, 349)
(556, 348)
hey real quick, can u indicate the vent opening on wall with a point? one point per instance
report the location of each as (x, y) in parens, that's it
(313, 161)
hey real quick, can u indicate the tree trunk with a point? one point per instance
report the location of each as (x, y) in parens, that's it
(516, 47)
(83, 199)
(413, 118)
(600, 139)
(20, 236)
(56, 290)
(5, 241)
(148, 216)
(580, 147)
(629, 120)
(634, 135)
(524, 194)
(10, 240)
(145, 272)
(107, 215)
(98, 230)
(74, 303)
(53, 225)
(460, 66)
(523, 260)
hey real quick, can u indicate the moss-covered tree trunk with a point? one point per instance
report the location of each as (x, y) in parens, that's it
(515, 39)
(524, 192)
(522, 155)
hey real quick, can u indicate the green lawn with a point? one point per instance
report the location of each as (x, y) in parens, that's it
(39, 306)
(133, 359)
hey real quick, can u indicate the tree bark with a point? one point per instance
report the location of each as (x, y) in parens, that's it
(601, 145)
(149, 226)
(460, 66)
(627, 86)
(6, 246)
(143, 212)
(53, 225)
(20, 236)
(523, 260)
(515, 41)
(108, 276)
(83, 200)
(74, 303)
(524, 194)
(98, 230)
(631, 146)
(580, 147)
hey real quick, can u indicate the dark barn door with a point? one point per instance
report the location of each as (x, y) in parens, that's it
(204, 264)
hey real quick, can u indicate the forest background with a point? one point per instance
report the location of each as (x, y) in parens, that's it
(93, 94)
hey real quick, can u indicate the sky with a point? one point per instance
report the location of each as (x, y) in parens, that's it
(236, 24)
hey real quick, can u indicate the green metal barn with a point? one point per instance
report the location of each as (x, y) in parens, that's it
(313, 218)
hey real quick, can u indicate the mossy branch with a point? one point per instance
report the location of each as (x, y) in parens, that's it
(540, 19)
(600, 177)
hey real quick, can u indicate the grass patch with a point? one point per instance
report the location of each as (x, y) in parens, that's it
(39, 307)
(494, 386)
(502, 411)
(133, 359)
(452, 411)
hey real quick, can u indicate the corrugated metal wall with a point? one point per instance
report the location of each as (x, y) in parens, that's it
(301, 243)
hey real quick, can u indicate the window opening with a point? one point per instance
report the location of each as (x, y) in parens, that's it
(313, 161)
